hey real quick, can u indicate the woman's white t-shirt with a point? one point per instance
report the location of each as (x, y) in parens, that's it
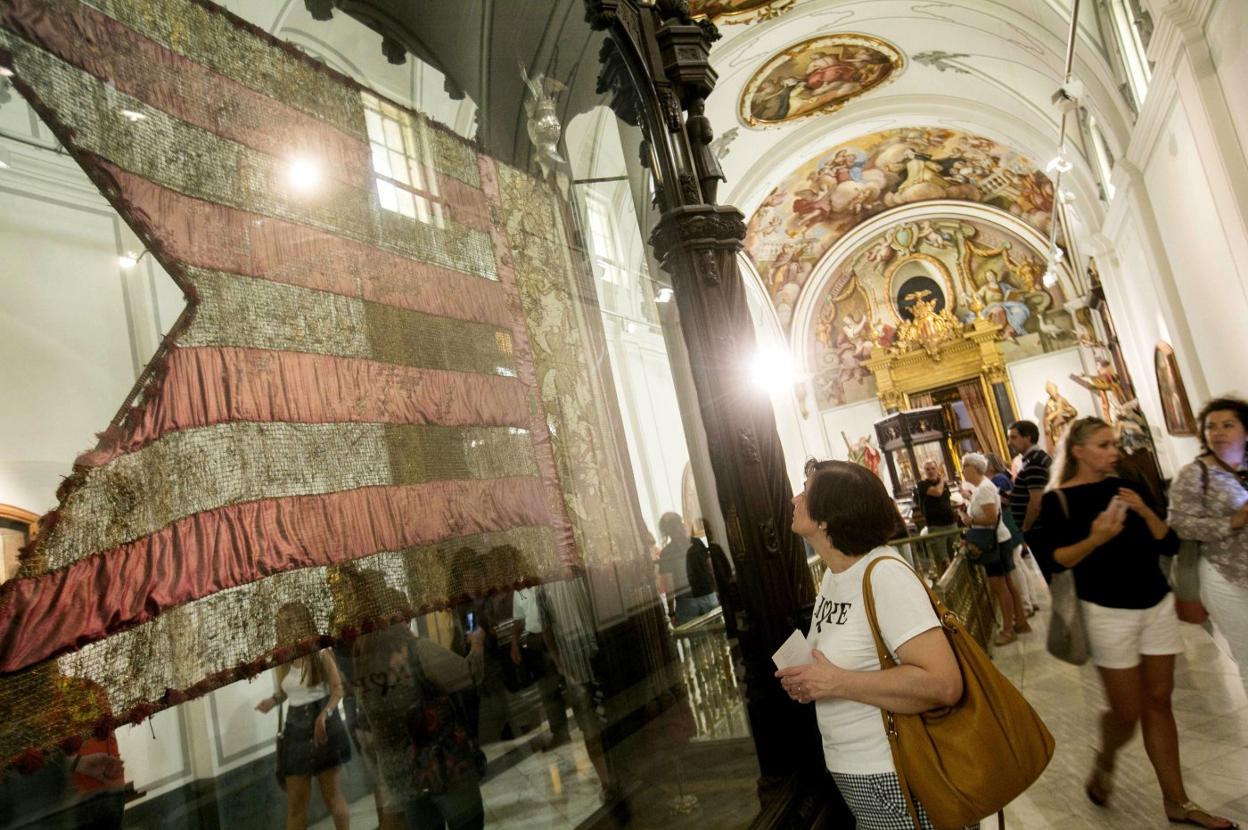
(853, 733)
(299, 694)
(986, 493)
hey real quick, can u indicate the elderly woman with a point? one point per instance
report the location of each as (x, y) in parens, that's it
(989, 533)
(846, 515)
(1209, 504)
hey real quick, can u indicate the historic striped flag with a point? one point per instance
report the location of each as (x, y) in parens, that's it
(352, 381)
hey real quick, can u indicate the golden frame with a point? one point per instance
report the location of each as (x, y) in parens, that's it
(896, 58)
(951, 294)
(761, 10)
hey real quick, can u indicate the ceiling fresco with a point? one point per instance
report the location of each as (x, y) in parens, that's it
(817, 76)
(821, 201)
(969, 267)
(739, 11)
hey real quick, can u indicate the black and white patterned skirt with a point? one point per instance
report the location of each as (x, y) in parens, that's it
(877, 802)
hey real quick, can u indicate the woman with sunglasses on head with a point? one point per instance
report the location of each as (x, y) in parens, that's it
(1104, 530)
(1209, 504)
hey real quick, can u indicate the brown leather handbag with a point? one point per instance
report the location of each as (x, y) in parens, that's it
(967, 761)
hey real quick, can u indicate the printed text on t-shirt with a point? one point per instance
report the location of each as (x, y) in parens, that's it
(830, 612)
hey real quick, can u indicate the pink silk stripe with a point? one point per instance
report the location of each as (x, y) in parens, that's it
(172, 83)
(213, 385)
(209, 235)
(220, 549)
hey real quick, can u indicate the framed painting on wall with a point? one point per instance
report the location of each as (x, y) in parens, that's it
(1174, 402)
(17, 528)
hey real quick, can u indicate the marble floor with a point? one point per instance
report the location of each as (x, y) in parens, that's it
(1211, 710)
(558, 789)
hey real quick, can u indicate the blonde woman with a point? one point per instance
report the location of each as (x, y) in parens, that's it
(314, 740)
(1104, 530)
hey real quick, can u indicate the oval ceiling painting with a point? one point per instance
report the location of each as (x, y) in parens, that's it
(817, 76)
(738, 11)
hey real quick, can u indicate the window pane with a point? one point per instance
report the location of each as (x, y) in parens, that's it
(398, 167)
(422, 208)
(394, 134)
(386, 195)
(381, 162)
(418, 178)
(373, 121)
(405, 202)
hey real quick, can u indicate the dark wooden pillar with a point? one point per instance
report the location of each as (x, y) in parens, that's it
(656, 66)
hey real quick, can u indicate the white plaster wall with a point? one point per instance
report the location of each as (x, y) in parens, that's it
(1227, 33)
(651, 415)
(855, 420)
(1206, 249)
(1028, 377)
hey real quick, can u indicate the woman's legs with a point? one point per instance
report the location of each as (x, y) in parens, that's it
(298, 788)
(1227, 604)
(1023, 585)
(1161, 737)
(1124, 689)
(1005, 600)
(1016, 599)
(331, 794)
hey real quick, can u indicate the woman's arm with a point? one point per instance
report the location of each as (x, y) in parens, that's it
(1156, 525)
(927, 679)
(333, 678)
(987, 515)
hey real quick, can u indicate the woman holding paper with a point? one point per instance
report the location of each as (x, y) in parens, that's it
(847, 517)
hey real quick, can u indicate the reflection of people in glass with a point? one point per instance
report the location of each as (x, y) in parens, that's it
(314, 740)
(411, 691)
(485, 613)
(686, 563)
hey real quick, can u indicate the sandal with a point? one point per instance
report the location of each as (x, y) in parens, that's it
(1188, 809)
(1100, 785)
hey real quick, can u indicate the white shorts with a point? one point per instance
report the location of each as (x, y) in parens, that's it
(1117, 637)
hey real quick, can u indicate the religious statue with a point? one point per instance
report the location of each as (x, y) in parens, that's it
(863, 453)
(927, 328)
(1108, 389)
(1058, 413)
(542, 125)
(701, 136)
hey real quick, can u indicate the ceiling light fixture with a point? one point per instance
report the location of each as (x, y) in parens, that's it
(1067, 100)
(664, 295)
(132, 116)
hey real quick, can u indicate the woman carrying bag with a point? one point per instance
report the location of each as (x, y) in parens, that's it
(1209, 506)
(989, 535)
(1104, 530)
(876, 679)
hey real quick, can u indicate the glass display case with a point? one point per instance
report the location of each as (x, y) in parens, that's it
(909, 440)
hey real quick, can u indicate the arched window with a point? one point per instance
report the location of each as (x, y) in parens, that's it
(1131, 27)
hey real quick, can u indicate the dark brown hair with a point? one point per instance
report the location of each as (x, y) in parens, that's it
(1028, 430)
(853, 502)
(1236, 406)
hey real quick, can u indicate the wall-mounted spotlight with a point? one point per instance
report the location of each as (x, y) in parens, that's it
(6, 72)
(132, 116)
(1058, 164)
(130, 259)
(664, 295)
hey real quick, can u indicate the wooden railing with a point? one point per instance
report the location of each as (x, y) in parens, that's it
(707, 666)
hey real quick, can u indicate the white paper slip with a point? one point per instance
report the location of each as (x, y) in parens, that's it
(796, 651)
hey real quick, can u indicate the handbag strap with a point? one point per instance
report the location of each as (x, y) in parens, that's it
(943, 615)
(887, 662)
(280, 704)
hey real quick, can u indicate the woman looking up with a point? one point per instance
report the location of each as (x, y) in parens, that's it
(1103, 529)
(847, 516)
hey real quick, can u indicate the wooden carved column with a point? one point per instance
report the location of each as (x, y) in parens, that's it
(656, 67)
